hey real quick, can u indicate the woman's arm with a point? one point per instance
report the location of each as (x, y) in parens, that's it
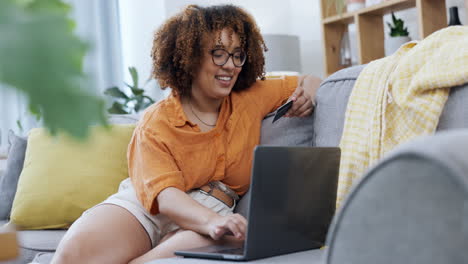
(189, 214)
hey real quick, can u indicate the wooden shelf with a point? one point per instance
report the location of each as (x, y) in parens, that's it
(380, 9)
(344, 18)
(370, 28)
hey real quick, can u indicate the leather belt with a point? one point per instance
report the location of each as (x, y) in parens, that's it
(212, 190)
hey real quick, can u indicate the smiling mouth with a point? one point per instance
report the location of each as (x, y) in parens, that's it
(223, 78)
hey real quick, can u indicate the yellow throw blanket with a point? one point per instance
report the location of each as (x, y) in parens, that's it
(398, 98)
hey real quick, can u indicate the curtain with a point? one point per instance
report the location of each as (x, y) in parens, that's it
(98, 23)
(12, 110)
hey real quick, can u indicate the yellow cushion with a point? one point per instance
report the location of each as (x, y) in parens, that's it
(62, 176)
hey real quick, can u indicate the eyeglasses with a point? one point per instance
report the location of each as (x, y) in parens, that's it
(221, 56)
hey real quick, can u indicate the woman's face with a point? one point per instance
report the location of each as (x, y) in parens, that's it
(213, 81)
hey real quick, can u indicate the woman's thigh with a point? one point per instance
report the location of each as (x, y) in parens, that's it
(106, 234)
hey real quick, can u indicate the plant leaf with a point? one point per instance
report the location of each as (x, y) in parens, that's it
(48, 5)
(137, 91)
(149, 99)
(20, 126)
(138, 107)
(139, 103)
(134, 74)
(41, 57)
(128, 85)
(115, 92)
(117, 108)
(145, 105)
(398, 28)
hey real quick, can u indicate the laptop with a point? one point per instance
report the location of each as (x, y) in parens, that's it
(292, 202)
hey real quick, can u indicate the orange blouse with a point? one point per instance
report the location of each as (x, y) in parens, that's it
(167, 150)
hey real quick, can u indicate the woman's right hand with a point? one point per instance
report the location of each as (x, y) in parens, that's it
(233, 224)
(191, 215)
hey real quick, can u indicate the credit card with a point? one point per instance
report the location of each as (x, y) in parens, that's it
(282, 110)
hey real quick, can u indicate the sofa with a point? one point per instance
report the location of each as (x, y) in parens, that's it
(412, 207)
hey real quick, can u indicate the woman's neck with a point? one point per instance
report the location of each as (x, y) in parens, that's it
(204, 104)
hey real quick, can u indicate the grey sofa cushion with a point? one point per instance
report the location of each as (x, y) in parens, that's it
(9, 181)
(40, 240)
(455, 113)
(294, 131)
(411, 208)
(43, 258)
(332, 99)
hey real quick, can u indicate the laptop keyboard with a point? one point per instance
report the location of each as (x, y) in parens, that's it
(233, 251)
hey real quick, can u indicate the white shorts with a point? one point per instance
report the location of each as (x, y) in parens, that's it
(157, 226)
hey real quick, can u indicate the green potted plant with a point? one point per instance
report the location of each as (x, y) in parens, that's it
(130, 101)
(398, 35)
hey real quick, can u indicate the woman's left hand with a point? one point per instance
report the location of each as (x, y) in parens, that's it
(304, 96)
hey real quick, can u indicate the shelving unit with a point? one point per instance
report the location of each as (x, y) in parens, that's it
(370, 27)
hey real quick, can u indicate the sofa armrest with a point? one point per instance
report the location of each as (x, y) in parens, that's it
(412, 207)
(446, 147)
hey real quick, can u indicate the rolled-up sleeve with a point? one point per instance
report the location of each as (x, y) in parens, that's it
(272, 92)
(152, 168)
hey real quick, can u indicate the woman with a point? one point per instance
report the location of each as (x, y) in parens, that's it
(190, 155)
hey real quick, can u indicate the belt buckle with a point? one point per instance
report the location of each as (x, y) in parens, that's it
(222, 187)
(215, 185)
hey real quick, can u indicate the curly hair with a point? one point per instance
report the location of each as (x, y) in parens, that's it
(178, 45)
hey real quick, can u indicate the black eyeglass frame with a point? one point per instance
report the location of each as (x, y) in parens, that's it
(230, 55)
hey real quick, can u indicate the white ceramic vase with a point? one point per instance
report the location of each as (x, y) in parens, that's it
(373, 2)
(350, 7)
(392, 44)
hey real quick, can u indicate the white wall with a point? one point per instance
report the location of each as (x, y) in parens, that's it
(305, 23)
(272, 16)
(138, 21)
